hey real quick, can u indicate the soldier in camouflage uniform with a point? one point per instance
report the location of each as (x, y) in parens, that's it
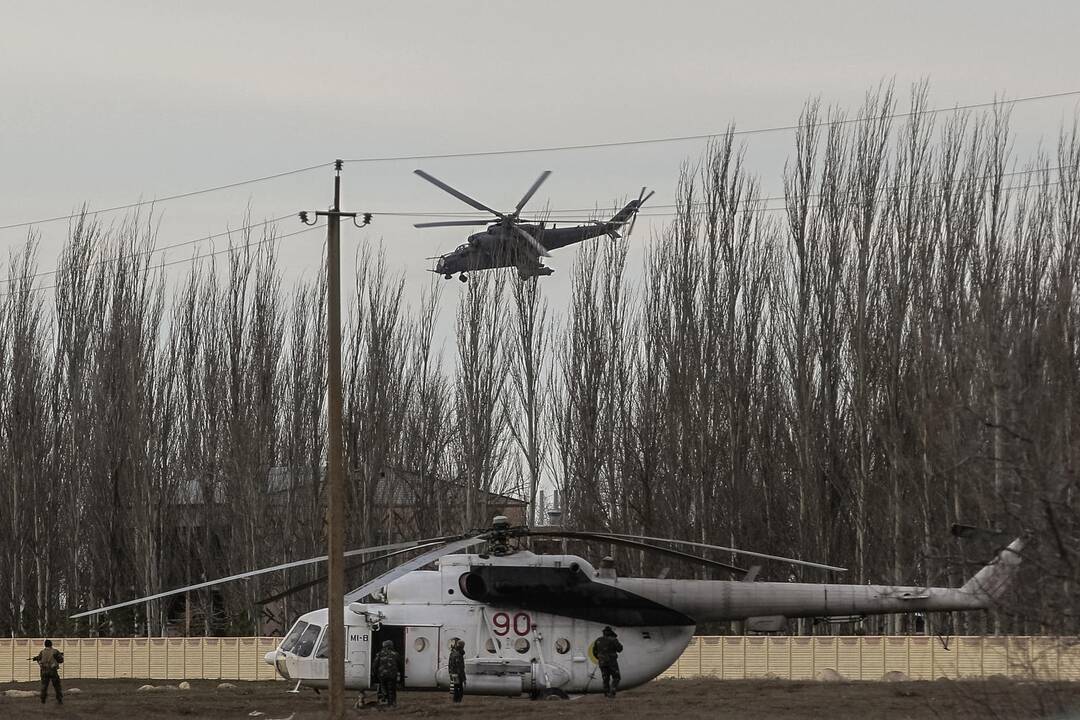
(607, 648)
(49, 660)
(456, 668)
(388, 670)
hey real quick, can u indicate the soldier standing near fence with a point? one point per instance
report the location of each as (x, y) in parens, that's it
(48, 661)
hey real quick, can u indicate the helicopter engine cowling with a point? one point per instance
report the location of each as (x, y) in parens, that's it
(565, 591)
(473, 586)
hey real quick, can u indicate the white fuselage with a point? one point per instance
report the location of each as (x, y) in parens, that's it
(529, 621)
(508, 650)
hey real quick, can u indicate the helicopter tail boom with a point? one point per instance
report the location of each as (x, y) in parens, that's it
(716, 600)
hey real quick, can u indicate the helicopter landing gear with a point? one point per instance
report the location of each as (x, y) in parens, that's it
(448, 276)
(463, 277)
(551, 694)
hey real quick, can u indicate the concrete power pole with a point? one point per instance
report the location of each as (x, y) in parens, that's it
(335, 492)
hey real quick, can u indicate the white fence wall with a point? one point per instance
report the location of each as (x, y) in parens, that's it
(725, 657)
(871, 657)
(154, 658)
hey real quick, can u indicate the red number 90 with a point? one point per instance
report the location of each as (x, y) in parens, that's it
(501, 624)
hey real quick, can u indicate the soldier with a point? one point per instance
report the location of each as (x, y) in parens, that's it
(388, 669)
(49, 660)
(607, 648)
(456, 668)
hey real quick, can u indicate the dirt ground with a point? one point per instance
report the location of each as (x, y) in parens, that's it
(683, 699)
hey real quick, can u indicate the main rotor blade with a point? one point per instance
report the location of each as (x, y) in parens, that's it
(966, 532)
(407, 567)
(616, 540)
(322, 578)
(532, 191)
(748, 553)
(536, 246)
(253, 573)
(452, 223)
(457, 193)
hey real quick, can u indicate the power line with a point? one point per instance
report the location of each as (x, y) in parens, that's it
(703, 136)
(165, 248)
(519, 151)
(673, 213)
(234, 248)
(178, 196)
(544, 214)
(782, 208)
(453, 214)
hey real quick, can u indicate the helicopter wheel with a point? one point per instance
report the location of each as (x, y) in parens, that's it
(448, 277)
(463, 277)
(553, 694)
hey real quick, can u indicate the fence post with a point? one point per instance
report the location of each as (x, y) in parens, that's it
(907, 653)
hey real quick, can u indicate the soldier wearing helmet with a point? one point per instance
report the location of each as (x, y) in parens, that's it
(48, 661)
(456, 668)
(388, 670)
(607, 648)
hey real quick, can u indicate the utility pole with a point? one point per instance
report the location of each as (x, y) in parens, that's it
(335, 492)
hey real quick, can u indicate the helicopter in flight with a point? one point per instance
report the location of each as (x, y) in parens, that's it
(510, 241)
(529, 620)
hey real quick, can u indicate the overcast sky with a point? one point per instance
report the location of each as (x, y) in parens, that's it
(111, 102)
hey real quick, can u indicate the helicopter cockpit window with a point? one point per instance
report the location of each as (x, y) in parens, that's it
(294, 635)
(463, 247)
(306, 643)
(323, 650)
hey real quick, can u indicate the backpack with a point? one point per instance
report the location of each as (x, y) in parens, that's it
(51, 659)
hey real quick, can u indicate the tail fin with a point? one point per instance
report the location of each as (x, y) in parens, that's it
(991, 581)
(623, 216)
(630, 210)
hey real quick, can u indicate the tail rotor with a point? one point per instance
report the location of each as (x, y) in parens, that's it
(642, 199)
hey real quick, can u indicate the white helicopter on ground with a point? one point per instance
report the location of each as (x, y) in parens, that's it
(529, 620)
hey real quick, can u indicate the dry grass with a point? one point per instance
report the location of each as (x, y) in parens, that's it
(685, 699)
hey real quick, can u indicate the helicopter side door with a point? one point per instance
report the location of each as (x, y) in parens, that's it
(421, 655)
(358, 656)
